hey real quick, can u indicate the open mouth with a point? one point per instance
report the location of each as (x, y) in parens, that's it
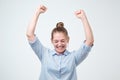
(60, 47)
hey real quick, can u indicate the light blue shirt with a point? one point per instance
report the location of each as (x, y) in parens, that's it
(59, 67)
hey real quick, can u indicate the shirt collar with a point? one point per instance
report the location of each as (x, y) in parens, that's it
(65, 53)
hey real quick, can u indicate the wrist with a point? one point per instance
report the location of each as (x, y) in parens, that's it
(37, 13)
(83, 18)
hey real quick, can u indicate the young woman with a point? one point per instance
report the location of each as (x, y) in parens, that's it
(59, 64)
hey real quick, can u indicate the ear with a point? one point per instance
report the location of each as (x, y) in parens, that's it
(51, 40)
(68, 39)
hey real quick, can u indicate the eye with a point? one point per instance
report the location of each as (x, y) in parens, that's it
(56, 41)
(63, 41)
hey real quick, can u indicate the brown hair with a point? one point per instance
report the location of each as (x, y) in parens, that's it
(59, 28)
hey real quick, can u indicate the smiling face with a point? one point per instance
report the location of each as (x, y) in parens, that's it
(60, 41)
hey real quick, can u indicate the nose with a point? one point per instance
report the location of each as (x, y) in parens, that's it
(59, 44)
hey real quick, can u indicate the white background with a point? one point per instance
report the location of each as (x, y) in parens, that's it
(18, 61)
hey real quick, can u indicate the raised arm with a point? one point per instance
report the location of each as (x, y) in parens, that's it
(32, 25)
(88, 31)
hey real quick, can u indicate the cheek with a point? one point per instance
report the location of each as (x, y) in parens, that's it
(54, 44)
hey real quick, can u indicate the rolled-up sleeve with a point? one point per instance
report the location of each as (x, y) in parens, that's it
(82, 53)
(37, 47)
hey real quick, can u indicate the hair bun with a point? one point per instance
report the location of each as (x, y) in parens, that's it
(60, 24)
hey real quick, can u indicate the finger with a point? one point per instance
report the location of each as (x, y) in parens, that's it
(43, 8)
(77, 12)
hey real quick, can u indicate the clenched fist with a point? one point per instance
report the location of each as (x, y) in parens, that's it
(80, 14)
(41, 9)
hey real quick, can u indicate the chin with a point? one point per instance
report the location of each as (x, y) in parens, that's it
(62, 51)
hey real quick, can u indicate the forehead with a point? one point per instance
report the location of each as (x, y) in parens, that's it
(59, 36)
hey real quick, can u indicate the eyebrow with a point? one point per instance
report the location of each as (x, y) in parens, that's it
(60, 40)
